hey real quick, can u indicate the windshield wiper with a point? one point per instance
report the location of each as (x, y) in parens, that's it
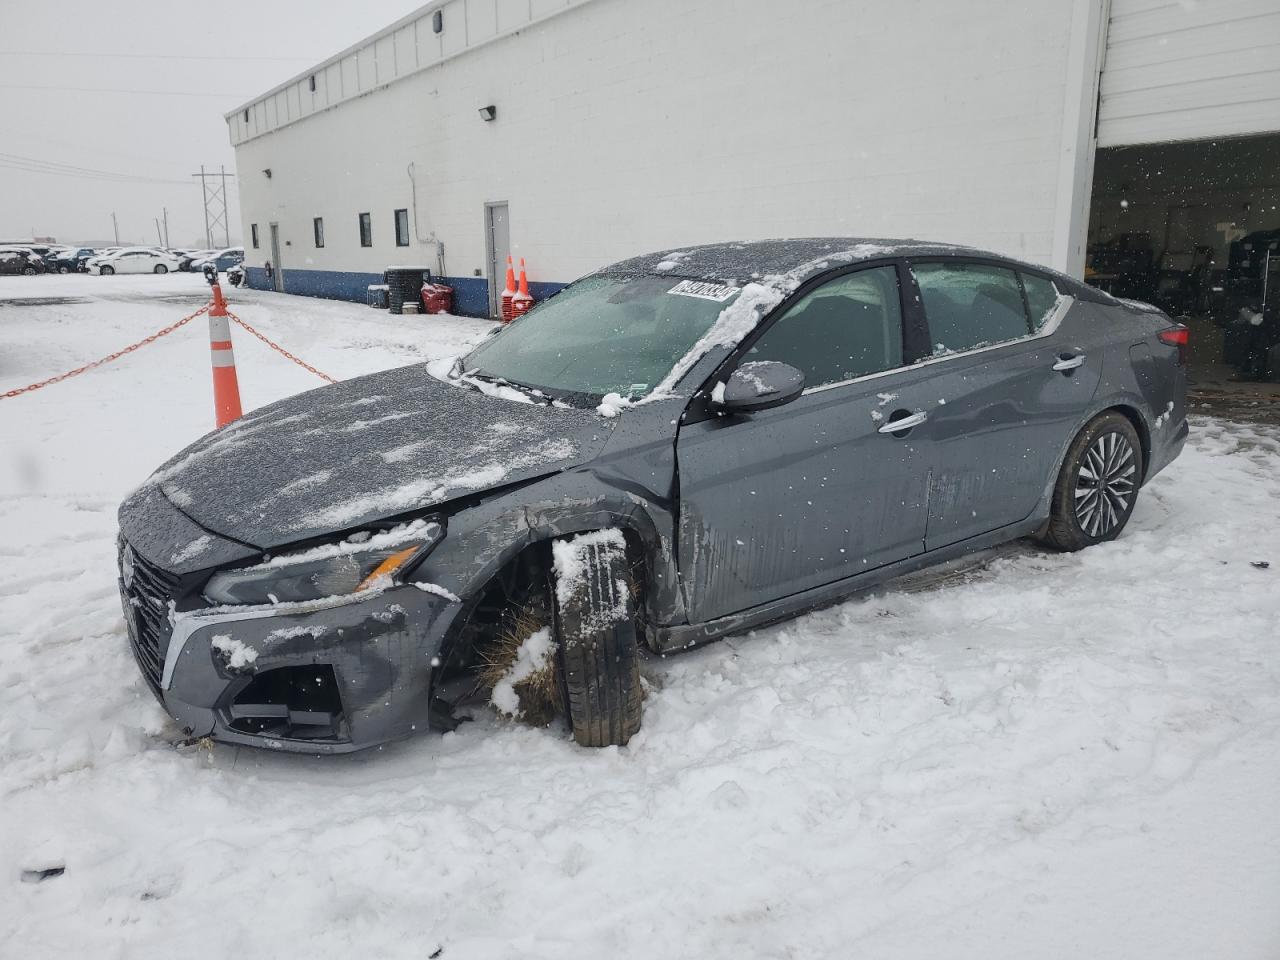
(476, 373)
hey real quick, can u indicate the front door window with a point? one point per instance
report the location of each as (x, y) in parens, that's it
(847, 328)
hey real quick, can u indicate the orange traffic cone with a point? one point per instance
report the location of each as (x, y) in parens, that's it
(226, 387)
(508, 295)
(522, 301)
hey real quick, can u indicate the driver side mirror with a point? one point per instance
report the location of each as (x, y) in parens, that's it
(758, 385)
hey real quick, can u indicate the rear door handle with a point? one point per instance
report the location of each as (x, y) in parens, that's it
(1065, 362)
(905, 423)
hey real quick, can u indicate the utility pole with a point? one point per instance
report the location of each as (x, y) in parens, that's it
(115, 227)
(165, 211)
(226, 221)
(213, 187)
(159, 238)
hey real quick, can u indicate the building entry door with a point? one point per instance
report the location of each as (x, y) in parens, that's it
(497, 235)
(277, 273)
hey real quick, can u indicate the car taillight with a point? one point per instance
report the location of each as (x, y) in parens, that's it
(1179, 337)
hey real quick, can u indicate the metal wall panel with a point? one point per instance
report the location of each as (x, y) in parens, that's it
(1180, 71)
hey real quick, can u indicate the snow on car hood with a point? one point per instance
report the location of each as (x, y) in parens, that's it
(367, 449)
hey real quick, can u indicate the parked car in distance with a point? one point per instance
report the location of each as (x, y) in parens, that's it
(52, 254)
(134, 260)
(18, 261)
(222, 259)
(99, 256)
(185, 261)
(70, 260)
(664, 450)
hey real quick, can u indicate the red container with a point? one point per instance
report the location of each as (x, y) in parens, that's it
(437, 298)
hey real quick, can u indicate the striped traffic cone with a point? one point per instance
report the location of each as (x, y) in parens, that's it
(522, 301)
(226, 386)
(508, 295)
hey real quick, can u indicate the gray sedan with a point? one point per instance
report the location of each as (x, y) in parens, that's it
(675, 448)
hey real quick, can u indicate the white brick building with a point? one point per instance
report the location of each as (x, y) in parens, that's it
(630, 125)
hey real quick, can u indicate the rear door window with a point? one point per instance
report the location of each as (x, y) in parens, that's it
(848, 327)
(1042, 299)
(970, 305)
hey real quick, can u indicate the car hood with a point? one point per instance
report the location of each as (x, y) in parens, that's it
(365, 450)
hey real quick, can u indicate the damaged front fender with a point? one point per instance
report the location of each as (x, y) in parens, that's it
(618, 492)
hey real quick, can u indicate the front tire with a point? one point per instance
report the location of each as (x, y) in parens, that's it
(1098, 485)
(106, 271)
(28, 271)
(64, 269)
(596, 629)
(161, 268)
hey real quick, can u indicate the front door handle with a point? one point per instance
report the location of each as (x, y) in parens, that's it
(1066, 362)
(905, 423)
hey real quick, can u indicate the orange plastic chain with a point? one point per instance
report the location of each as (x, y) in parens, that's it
(107, 359)
(281, 350)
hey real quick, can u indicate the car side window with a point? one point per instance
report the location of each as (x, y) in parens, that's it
(970, 305)
(848, 327)
(1042, 299)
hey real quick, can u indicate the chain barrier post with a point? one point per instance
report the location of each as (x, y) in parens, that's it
(226, 386)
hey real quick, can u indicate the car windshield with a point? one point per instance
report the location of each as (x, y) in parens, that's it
(604, 334)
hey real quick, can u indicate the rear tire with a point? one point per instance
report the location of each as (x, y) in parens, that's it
(596, 634)
(1097, 486)
(64, 269)
(161, 268)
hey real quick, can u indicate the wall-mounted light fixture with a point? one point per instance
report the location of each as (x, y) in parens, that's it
(488, 113)
(437, 22)
(267, 173)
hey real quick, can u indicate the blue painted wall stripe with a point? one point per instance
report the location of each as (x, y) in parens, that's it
(470, 294)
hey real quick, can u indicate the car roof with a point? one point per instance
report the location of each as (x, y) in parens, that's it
(787, 263)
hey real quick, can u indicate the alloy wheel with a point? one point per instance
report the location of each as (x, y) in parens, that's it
(1105, 484)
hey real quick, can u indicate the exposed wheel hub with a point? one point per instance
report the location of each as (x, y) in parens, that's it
(1105, 484)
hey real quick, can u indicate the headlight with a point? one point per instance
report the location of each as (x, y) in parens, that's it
(358, 563)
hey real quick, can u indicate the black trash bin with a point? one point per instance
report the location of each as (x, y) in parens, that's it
(404, 285)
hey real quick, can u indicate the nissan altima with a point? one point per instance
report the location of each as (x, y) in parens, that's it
(677, 447)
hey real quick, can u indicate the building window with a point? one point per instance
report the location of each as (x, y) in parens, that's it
(366, 231)
(317, 227)
(402, 228)
(253, 234)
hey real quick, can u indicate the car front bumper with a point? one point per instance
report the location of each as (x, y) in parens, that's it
(330, 676)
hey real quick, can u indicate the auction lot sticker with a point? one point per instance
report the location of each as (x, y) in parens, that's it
(704, 290)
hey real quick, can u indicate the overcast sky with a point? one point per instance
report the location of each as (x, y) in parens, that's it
(137, 89)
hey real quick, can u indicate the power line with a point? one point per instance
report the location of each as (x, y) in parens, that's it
(79, 146)
(4, 165)
(152, 56)
(155, 93)
(13, 161)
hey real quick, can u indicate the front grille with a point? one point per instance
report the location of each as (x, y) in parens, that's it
(146, 599)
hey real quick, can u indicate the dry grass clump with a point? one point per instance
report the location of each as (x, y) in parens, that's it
(538, 694)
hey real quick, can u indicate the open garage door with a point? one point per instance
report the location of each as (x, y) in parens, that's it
(1194, 227)
(1189, 69)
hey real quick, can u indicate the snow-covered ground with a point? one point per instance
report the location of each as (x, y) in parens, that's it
(1048, 756)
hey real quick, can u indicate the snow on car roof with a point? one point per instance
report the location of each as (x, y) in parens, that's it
(784, 264)
(762, 260)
